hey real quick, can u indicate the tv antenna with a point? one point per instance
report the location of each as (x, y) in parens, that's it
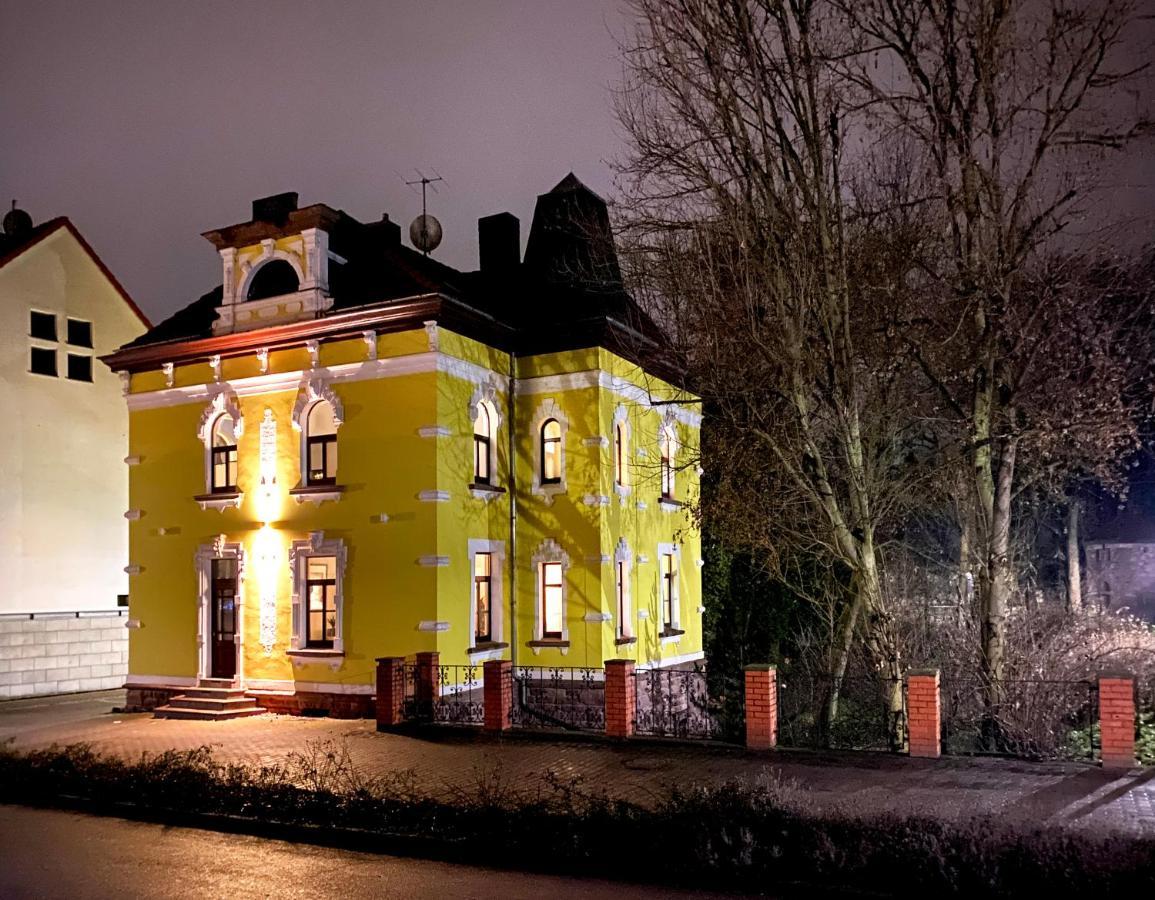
(425, 231)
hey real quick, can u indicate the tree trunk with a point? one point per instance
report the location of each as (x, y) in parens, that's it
(839, 659)
(965, 585)
(999, 588)
(1074, 568)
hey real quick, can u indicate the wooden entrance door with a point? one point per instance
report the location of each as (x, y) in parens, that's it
(224, 619)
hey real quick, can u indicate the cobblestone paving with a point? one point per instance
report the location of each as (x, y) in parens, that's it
(443, 761)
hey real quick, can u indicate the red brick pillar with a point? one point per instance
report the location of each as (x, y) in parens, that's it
(1117, 721)
(427, 681)
(498, 694)
(761, 707)
(390, 691)
(621, 697)
(923, 716)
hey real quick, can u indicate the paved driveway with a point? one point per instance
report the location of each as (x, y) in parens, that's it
(444, 761)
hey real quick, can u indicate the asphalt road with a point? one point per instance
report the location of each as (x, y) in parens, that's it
(61, 854)
(31, 713)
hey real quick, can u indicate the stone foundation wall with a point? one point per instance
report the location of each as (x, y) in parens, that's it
(62, 653)
(146, 699)
(305, 703)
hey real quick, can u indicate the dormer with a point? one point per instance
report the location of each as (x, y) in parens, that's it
(275, 267)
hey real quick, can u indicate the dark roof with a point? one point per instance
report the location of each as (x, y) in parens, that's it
(566, 294)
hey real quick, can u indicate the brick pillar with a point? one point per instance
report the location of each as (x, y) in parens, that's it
(390, 691)
(427, 681)
(761, 707)
(1117, 721)
(621, 697)
(498, 694)
(923, 716)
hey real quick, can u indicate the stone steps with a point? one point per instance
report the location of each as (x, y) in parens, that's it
(212, 700)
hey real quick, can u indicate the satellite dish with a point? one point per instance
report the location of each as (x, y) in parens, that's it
(425, 233)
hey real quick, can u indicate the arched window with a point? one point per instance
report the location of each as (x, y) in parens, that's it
(321, 444)
(551, 452)
(666, 449)
(273, 279)
(620, 454)
(223, 462)
(482, 444)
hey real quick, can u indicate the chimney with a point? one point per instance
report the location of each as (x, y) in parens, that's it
(499, 242)
(276, 208)
(391, 230)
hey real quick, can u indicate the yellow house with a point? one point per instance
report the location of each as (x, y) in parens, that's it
(349, 451)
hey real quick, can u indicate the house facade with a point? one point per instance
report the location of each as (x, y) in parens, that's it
(350, 451)
(65, 488)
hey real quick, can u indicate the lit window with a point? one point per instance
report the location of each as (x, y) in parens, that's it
(223, 464)
(620, 454)
(551, 452)
(666, 448)
(669, 590)
(321, 594)
(42, 362)
(483, 596)
(482, 440)
(79, 333)
(42, 325)
(79, 367)
(552, 604)
(321, 444)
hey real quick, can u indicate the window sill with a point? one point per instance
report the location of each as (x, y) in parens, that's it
(219, 502)
(549, 643)
(317, 493)
(485, 491)
(625, 641)
(486, 647)
(669, 504)
(315, 653)
(670, 636)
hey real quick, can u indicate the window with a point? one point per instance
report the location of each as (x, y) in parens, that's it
(272, 280)
(623, 610)
(321, 599)
(669, 591)
(666, 449)
(321, 444)
(79, 333)
(551, 452)
(552, 601)
(42, 326)
(620, 454)
(79, 367)
(482, 440)
(223, 465)
(483, 597)
(42, 362)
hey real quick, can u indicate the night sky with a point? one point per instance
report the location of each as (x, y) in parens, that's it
(149, 122)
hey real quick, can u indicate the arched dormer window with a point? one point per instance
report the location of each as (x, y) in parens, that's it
(666, 443)
(551, 452)
(483, 445)
(223, 450)
(320, 444)
(273, 279)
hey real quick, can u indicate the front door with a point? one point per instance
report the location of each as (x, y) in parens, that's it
(224, 618)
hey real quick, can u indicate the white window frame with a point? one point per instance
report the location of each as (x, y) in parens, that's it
(668, 429)
(299, 554)
(674, 550)
(549, 551)
(496, 551)
(205, 554)
(625, 559)
(546, 411)
(485, 394)
(621, 420)
(311, 391)
(224, 402)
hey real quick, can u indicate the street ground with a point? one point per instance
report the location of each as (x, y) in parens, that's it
(113, 858)
(445, 760)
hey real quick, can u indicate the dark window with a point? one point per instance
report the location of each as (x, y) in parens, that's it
(669, 594)
(42, 362)
(321, 591)
(79, 333)
(122, 599)
(620, 454)
(551, 452)
(483, 594)
(622, 604)
(321, 445)
(273, 279)
(482, 436)
(79, 367)
(42, 325)
(224, 457)
(666, 446)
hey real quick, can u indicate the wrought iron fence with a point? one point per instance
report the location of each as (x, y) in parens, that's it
(558, 697)
(867, 712)
(449, 695)
(1033, 719)
(679, 703)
